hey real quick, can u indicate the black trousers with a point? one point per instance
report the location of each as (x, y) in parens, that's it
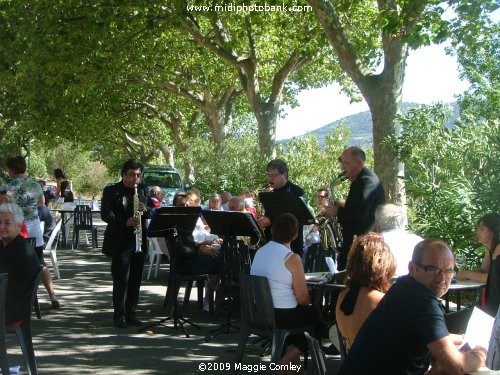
(297, 317)
(126, 269)
(347, 238)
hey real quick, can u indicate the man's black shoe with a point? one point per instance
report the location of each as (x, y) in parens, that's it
(120, 322)
(133, 321)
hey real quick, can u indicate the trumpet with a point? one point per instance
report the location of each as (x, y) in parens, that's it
(137, 229)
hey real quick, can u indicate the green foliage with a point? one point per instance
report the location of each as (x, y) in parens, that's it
(88, 176)
(312, 167)
(476, 42)
(241, 166)
(235, 168)
(451, 175)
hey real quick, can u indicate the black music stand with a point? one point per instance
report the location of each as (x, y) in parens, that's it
(278, 202)
(229, 225)
(167, 222)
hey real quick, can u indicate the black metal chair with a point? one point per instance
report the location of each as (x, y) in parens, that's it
(23, 333)
(456, 321)
(32, 241)
(317, 356)
(257, 317)
(83, 222)
(4, 364)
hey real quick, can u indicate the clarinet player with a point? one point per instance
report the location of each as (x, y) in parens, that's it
(121, 241)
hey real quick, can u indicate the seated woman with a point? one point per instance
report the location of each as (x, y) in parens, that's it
(488, 234)
(370, 268)
(19, 261)
(66, 192)
(199, 253)
(60, 177)
(287, 281)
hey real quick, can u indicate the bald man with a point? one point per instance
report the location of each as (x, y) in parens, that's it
(408, 325)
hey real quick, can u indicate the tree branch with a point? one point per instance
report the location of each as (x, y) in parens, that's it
(228, 56)
(281, 76)
(337, 36)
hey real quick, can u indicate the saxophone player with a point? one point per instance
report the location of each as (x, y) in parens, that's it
(277, 178)
(120, 240)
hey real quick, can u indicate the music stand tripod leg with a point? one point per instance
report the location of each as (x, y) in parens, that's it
(232, 249)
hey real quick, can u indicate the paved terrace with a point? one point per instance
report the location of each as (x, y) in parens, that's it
(79, 338)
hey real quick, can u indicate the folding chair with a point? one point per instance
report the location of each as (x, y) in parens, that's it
(51, 248)
(154, 254)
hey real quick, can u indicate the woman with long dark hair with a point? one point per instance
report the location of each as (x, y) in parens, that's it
(488, 234)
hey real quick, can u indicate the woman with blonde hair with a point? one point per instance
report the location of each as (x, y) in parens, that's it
(370, 269)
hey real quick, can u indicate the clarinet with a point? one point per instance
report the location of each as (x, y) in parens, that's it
(138, 229)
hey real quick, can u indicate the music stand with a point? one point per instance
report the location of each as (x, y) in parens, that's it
(168, 222)
(278, 202)
(229, 225)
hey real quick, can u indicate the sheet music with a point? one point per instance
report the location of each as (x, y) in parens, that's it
(479, 329)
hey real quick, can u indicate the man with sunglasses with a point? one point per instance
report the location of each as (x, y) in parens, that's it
(408, 328)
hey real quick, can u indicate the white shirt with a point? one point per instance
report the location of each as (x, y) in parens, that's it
(269, 261)
(401, 244)
(200, 234)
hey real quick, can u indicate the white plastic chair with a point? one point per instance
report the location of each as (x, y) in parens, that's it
(51, 247)
(154, 253)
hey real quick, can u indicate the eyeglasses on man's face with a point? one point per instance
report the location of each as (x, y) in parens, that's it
(273, 175)
(321, 196)
(434, 271)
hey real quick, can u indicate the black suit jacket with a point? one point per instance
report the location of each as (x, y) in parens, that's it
(358, 215)
(297, 245)
(116, 208)
(19, 261)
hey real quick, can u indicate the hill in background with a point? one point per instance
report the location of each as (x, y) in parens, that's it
(361, 126)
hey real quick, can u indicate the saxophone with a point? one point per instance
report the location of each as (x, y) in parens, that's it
(337, 181)
(138, 229)
(259, 210)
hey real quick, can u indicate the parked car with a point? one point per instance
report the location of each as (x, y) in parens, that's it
(169, 179)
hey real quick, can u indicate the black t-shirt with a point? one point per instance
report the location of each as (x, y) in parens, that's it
(394, 338)
(493, 287)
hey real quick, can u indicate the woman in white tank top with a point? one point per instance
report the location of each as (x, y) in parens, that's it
(287, 282)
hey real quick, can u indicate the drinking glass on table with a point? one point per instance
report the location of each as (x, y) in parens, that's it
(461, 262)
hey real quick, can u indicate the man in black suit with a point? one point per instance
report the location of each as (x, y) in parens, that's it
(357, 213)
(277, 178)
(120, 241)
(17, 259)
